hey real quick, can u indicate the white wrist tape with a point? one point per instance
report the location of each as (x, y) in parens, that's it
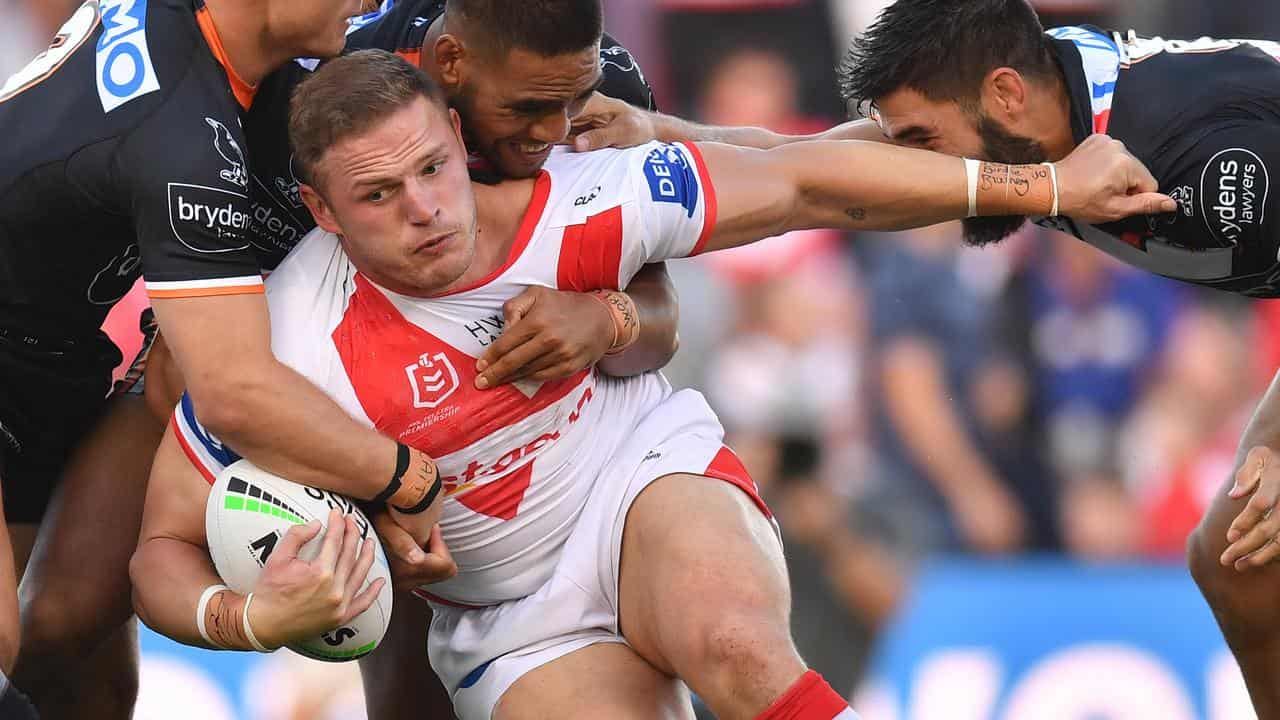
(248, 630)
(1053, 175)
(201, 607)
(971, 171)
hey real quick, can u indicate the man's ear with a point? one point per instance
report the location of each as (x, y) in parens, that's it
(319, 208)
(1004, 94)
(456, 120)
(451, 57)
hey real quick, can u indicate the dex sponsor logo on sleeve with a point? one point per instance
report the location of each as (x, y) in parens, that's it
(670, 177)
(208, 220)
(1233, 194)
(124, 68)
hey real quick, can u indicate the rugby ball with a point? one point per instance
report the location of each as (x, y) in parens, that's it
(250, 509)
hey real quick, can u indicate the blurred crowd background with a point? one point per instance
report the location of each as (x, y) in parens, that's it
(897, 397)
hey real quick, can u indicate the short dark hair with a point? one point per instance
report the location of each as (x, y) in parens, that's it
(545, 27)
(943, 49)
(346, 97)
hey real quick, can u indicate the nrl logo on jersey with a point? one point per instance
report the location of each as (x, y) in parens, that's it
(432, 379)
(230, 151)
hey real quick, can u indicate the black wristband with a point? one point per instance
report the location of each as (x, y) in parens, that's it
(402, 465)
(427, 499)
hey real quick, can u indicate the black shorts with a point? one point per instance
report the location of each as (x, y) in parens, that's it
(51, 393)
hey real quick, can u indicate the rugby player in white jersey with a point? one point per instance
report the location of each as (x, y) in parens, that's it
(611, 550)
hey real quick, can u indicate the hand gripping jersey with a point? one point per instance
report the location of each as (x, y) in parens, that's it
(123, 155)
(1204, 116)
(518, 461)
(279, 219)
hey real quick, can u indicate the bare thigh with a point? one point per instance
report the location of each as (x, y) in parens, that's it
(605, 680)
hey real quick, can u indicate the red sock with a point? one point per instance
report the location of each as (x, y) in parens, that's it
(810, 698)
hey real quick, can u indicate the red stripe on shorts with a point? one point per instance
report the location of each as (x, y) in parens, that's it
(191, 454)
(727, 467)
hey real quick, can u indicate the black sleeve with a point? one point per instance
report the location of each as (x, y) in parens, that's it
(187, 178)
(623, 79)
(1221, 178)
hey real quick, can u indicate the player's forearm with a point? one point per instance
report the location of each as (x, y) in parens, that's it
(280, 421)
(857, 185)
(1264, 427)
(853, 185)
(668, 128)
(169, 576)
(658, 308)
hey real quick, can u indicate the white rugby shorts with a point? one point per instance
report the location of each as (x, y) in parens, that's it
(480, 652)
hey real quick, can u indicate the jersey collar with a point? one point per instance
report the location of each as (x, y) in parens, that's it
(243, 91)
(1091, 63)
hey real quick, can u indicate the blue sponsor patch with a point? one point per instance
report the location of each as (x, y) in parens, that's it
(671, 178)
(124, 69)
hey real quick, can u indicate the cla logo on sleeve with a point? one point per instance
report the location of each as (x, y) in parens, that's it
(1233, 194)
(208, 220)
(671, 179)
(230, 151)
(432, 378)
(124, 69)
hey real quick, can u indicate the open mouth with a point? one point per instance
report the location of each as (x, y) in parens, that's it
(533, 151)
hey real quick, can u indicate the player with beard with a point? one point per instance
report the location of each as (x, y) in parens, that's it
(981, 77)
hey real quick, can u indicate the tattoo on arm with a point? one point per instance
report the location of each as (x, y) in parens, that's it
(856, 213)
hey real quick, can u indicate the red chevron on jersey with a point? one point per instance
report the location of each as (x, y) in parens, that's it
(500, 498)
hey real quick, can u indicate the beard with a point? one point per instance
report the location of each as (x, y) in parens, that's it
(1000, 145)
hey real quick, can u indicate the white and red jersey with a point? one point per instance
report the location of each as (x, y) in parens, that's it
(517, 460)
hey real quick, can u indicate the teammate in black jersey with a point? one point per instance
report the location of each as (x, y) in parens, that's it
(981, 77)
(123, 157)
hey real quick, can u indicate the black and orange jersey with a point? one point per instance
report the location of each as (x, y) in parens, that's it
(1204, 116)
(123, 156)
(278, 218)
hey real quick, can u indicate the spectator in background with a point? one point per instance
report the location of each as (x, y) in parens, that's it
(1182, 439)
(698, 33)
(957, 474)
(22, 34)
(1097, 329)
